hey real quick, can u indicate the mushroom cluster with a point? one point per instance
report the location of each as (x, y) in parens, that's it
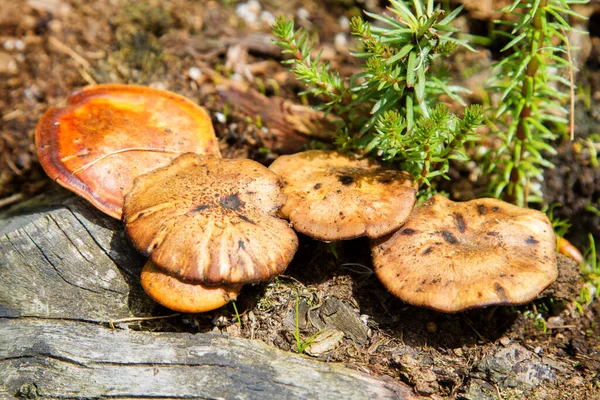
(210, 221)
(210, 225)
(151, 158)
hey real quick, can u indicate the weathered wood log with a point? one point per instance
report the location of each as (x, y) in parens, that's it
(74, 359)
(61, 258)
(66, 270)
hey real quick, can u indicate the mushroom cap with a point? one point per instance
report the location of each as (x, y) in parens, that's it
(334, 196)
(453, 256)
(109, 134)
(210, 220)
(183, 296)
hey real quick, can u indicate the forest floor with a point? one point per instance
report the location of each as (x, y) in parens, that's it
(220, 55)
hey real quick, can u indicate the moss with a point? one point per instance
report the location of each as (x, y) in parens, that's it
(138, 52)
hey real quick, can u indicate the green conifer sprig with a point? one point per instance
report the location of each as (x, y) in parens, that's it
(531, 107)
(391, 109)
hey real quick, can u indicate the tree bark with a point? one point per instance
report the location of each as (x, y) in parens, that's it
(66, 271)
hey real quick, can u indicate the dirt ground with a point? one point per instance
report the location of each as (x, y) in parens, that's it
(549, 349)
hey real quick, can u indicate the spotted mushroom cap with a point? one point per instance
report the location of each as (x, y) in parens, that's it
(453, 256)
(334, 196)
(183, 296)
(209, 220)
(109, 134)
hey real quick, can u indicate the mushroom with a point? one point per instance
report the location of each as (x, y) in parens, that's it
(210, 220)
(453, 256)
(109, 134)
(182, 296)
(334, 196)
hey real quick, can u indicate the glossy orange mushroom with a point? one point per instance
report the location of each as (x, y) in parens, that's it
(568, 249)
(107, 135)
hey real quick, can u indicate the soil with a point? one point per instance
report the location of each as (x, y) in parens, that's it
(329, 296)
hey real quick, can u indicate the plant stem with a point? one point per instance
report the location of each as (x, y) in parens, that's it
(532, 69)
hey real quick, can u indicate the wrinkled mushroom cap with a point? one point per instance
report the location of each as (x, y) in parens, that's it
(109, 134)
(178, 295)
(205, 219)
(333, 196)
(454, 256)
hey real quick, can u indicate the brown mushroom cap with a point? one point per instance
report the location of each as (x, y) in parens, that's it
(333, 196)
(454, 256)
(182, 296)
(109, 134)
(205, 219)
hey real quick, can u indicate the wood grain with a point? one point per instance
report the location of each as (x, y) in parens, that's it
(67, 270)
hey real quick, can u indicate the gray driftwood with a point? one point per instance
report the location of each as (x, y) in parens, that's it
(66, 270)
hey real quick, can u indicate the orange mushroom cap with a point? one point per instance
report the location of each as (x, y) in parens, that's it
(211, 220)
(109, 134)
(182, 296)
(335, 196)
(453, 256)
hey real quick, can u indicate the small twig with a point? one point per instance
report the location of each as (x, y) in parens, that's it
(84, 64)
(60, 46)
(15, 198)
(481, 337)
(87, 77)
(12, 115)
(562, 327)
(12, 166)
(290, 278)
(112, 323)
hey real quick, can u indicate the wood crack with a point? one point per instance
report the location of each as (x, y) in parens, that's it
(100, 246)
(51, 264)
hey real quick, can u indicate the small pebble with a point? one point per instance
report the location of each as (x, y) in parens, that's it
(220, 117)
(344, 23)
(303, 13)
(365, 319)
(19, 45)
(8, 64)
(32, 93)
(220, 321)
(243, 11)
(554, 322)
(251, 12)
(9, 45)
(340, 42)
(254, 7)
(481, 151)
(194, 73)
(267, 18)
(158, 85)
